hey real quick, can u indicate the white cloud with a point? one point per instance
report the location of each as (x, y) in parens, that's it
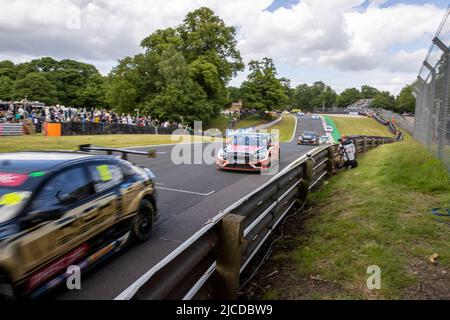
(336, 34)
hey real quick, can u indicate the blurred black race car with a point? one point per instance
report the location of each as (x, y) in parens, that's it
(59, 209)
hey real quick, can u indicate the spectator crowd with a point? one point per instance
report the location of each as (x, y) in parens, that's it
(38, 115)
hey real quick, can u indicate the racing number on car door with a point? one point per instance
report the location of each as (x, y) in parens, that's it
(54, 235)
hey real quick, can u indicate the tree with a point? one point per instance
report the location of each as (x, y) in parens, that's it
(93, 94)
(8, 69)
(234, 94)
(6, 88)
(288, 91)
(368, 92)
(315, 96)
(303, 97)
(406, 102)
(122, 95)
(348, 97)
(262, 90)
(205, 35)
(69, 77)
(184, 70)
(384, 100)
(35, 87)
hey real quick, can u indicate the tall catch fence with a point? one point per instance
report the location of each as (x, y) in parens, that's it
(432, 90)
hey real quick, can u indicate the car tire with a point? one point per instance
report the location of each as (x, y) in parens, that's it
(143, 222)
(6, 288)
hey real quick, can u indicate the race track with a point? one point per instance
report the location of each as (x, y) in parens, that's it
(188, 195)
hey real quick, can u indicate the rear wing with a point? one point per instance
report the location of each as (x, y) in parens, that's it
(124, 152)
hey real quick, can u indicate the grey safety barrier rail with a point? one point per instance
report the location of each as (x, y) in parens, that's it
(11, 129)
(210, 263)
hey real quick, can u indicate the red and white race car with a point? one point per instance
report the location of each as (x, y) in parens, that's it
(249, 152)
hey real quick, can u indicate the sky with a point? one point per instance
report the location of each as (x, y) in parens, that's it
(345, 43)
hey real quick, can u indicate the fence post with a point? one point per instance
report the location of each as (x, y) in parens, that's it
(365, 144)
(356, 143)
(374, 142)
(331, 162)
(229, 255)
(306, 181)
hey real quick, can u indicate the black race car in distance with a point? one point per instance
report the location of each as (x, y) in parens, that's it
(309, 137)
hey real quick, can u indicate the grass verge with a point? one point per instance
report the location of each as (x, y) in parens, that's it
(40, 142)
(286, 128)
(378, 214)
(360, 126)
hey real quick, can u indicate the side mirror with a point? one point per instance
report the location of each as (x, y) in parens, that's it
(39, 216)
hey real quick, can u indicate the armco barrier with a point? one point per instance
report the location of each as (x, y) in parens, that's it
(11, 129)
(209, 264)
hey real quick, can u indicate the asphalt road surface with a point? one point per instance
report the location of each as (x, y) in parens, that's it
(188, 196)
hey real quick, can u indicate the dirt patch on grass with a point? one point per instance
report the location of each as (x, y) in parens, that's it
(432, 281)
(280, 277)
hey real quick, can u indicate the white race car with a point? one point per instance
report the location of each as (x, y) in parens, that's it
(249, 152)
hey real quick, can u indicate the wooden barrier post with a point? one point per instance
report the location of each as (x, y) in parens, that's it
(331, 162)
(356, 148)
(229, 256)
(365, 144)
(306, 181)
(374, 141)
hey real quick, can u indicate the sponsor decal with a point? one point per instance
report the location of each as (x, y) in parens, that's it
(105, 173)
(11, 199)
(8, 179)
(57, 267)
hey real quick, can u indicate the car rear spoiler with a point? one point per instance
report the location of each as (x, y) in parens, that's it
(124, 152)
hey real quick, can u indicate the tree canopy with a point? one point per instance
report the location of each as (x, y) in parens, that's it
(68, 82)
(317, 95)
(184, 71)
(406, 102)
(262, 90)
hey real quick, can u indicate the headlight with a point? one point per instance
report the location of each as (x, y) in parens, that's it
(262, 153)
(222, 154)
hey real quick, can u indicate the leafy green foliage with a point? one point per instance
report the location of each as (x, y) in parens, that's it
(348, 97)
(37, 87)
(183, 72)
(6, 88)
(262, 90)
(406, 102)
(73, 83)
(316, 96)
(384, 100)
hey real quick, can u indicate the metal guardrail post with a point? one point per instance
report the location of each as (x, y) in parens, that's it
(306, 181)
(229, 256)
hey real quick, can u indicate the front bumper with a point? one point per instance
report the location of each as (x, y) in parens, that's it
(247, 166)
(308, 142)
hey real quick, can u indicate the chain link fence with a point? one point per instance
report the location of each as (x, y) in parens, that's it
(432, 89)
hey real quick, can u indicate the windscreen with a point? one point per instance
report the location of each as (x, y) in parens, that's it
(250, 140)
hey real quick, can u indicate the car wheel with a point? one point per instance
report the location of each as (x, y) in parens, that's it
(143, 221)
(6, 288)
